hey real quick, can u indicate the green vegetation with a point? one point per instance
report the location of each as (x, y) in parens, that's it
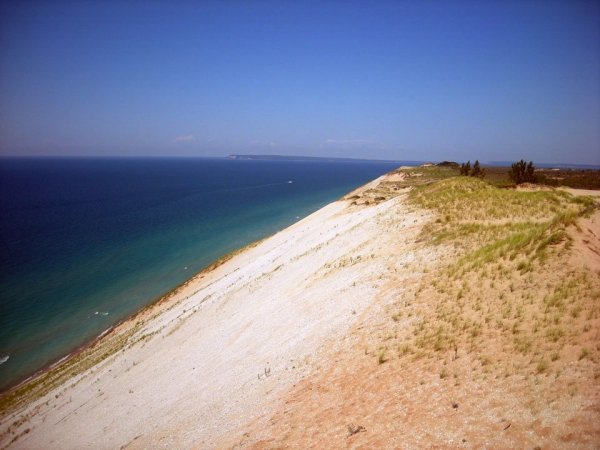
(490, 224)
(499, 176)
(417, 176)
(575, 178)
(381, 357)
(522, 172)
(505, 297)
(476, 171)
(448, 164)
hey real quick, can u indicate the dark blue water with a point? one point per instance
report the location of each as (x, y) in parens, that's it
(87, 242)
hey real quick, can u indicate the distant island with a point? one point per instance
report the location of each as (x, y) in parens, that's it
(316, 158)
(399, 162)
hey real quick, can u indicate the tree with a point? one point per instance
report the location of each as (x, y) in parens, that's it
(465, 168)
(477, 170)
(530, 173)
(522, 172)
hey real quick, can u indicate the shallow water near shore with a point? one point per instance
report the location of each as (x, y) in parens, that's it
(87, 242)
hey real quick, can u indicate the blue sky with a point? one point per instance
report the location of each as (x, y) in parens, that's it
(393, 80)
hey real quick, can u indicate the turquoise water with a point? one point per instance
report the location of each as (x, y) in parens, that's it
(87, 242)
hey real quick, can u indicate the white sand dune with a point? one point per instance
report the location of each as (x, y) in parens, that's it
(221, 352)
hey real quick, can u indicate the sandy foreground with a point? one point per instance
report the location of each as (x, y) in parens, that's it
(221, 352)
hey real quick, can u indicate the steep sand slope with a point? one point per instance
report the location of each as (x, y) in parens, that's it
(221, 352)
(528, 378)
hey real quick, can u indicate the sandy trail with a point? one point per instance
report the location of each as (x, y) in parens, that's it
(220, 353)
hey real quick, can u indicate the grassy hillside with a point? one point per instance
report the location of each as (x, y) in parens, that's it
(511, 296)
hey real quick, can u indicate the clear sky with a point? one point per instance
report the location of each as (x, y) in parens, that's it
(493, 80)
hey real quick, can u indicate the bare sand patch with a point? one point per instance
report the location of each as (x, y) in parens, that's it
(588, 192)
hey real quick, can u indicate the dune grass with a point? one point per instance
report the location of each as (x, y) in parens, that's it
(506, 296)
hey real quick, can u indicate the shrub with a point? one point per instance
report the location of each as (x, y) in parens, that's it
(477, 171)
(448, 164)
(381, 357)
(522, 172)
(465, 168)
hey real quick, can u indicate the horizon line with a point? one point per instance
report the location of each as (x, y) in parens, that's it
(306, 158)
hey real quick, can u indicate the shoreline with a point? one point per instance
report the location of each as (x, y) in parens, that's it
(213, 265)
(125, 321)
(129, 320)
(131, 317)
(234, 296)
(145, 251)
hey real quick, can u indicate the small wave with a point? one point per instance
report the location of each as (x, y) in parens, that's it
(4, 359)
(104, 333)
(99, 313)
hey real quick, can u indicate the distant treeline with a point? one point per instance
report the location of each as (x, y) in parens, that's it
(475, 171)
(526, 172)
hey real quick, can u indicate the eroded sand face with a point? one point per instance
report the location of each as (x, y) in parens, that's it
(470, 396)
(235, 339)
